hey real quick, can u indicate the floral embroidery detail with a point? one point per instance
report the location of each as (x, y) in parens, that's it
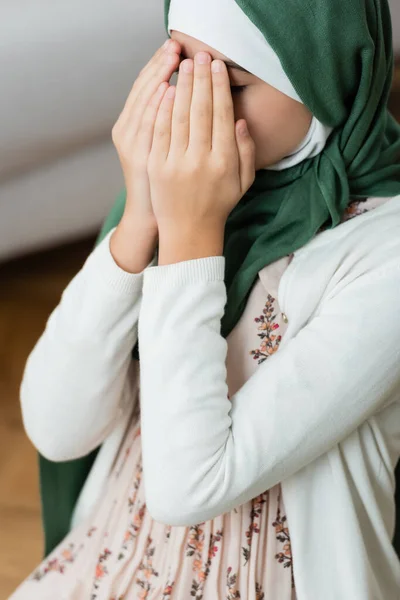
(148, 570)
(168, 590)
(167, 532)
(259, 593)
(231, 592)
(195, 547)
(133, 529)
(352, 210)
(101, 571)
(137, 520)
(284, 537)
(67, 555)
(269, 341)
(255, 512)
(196, 542)
(135, 486)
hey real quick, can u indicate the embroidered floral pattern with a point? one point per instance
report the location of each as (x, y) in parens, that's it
(167, 532)
(353, 209)
(133, 529)
(137, 519)
(282, 534)
(67, 555)
(168, 590)
(269, 341)
(259, 593)
(148, 571)
(101, 571)
(255, 512)
(233, 594)
(196, 543)
(135, 486)
(194, 548)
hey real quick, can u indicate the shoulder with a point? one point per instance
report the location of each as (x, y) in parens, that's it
(365, 241)
(353, 263)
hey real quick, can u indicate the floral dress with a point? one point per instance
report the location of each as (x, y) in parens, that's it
(120, 553)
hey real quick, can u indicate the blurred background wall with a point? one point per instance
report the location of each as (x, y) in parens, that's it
(395, 11)
(66, 71)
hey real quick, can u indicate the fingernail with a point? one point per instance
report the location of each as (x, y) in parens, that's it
(243, 129)
(202, 58)
(187, 66)
(216, 66)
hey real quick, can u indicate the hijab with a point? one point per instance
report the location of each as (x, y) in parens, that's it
(337, 59)
(236, 36)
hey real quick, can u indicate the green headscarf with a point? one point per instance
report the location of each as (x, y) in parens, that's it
(339, 58)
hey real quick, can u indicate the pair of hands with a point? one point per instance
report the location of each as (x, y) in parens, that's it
(185, 162)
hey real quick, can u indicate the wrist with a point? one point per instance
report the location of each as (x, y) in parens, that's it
(189, 244)
(131, 225)
(132, 248)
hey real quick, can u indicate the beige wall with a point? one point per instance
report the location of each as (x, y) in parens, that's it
(395, 10)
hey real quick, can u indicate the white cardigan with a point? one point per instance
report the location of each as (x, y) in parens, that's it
(334, 384)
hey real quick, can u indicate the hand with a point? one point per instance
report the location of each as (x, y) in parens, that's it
(199, 165)
(132, 134)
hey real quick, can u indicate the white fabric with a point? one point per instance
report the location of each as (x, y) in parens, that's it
(322, 415)
(226, 28)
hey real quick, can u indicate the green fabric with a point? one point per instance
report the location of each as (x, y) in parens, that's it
(339, 58)
(60, 485)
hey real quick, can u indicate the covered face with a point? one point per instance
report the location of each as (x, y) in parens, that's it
(278, 130)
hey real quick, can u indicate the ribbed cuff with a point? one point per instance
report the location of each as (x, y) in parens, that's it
(198, 270)
(111, 274)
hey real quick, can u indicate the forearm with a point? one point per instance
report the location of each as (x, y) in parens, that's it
(73, 383)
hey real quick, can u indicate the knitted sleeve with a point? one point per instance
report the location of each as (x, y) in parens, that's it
(72, 390)
(203, 453)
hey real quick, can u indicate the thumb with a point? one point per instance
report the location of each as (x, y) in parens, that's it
(247, 153)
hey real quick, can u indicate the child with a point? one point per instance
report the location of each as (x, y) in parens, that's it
(250, 453)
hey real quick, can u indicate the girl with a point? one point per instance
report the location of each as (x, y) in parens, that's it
(252, 455)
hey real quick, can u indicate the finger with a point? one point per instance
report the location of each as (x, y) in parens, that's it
(146, 130)
(148, 81)
(180, 127)
(247, 152)
(158, 69)
(162, 127)
(201, 107)
(170, 46)
(223, 127)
